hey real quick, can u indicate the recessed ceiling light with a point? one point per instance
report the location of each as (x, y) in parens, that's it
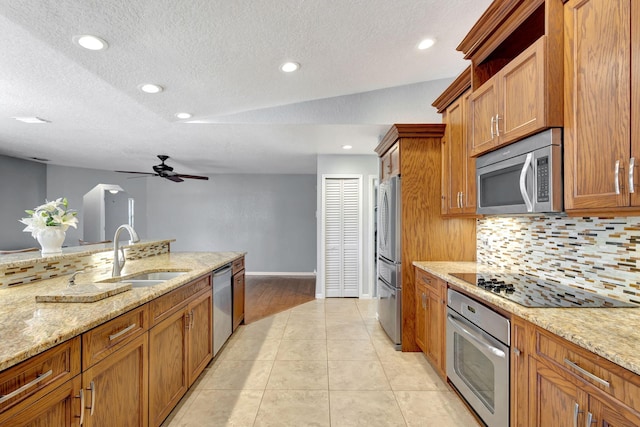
(183, 115)
(426, 44)
(31, 120)
(290, 67)
(347, 147)
(150, 88)
(90, 42)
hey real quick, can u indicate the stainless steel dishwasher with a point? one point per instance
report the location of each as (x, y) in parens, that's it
(222, 305)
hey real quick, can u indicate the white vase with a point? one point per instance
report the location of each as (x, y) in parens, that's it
(51, 240)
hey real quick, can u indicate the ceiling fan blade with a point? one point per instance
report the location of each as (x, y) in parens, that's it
(174, 178)
(205, 178)
(141, 173)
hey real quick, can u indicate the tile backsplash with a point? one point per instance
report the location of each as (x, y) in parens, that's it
(598, 254)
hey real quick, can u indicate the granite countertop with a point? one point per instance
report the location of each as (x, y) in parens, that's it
(30, 327)
(612, 333)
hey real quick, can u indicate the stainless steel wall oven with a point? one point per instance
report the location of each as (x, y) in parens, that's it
(478, 341)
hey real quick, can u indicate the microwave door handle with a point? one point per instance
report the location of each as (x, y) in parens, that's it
(523, 182)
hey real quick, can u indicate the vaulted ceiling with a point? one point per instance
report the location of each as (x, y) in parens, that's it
(219, 60)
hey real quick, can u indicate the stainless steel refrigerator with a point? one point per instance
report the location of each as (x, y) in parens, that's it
(389, 260)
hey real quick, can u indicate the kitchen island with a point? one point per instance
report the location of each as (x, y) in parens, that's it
(144, 346)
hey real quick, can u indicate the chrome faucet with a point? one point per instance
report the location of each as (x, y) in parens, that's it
(117, 264)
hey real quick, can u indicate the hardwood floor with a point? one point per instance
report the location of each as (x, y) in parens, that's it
(267, 295)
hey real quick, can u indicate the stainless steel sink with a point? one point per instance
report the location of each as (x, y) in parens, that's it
(161, 276)
(144, 280)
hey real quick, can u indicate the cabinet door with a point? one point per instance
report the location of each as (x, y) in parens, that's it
(168, 380)
(522, 94)
(60, 408)
(421, 316)
(454, 172)
(200, 350)
(385, 166)
(394, 154)
(611, 416)
(435, 330)
(519, 373)
(238, 299)
(597, 102)
(468, 163)
(554, 399)
(484, 107)
(116, 388)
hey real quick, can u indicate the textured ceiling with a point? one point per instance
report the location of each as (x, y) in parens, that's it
(219, 59)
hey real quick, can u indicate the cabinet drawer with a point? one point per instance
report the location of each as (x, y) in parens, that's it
(431, 282)
(167, 304)
(53, 368)
(107, 338)
(602, 374)
(237, 266)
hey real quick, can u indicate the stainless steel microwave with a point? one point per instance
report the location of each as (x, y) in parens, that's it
(523, 177)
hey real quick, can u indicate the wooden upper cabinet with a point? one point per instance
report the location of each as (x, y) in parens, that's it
(512, 104)
(458, 169)
(516, 52)
(390, 163)
(601, 41)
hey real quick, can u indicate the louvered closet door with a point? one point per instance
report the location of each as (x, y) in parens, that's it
(342, 237)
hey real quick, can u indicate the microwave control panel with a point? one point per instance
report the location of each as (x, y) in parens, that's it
(542, 178)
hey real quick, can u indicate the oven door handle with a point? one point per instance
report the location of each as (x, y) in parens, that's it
(523, 182)
(461, 328)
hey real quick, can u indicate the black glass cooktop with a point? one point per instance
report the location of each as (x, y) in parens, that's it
(532, 291)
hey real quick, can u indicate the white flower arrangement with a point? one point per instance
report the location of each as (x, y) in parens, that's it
(52, 214)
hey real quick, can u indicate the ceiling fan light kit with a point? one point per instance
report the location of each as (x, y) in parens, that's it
(165, 171)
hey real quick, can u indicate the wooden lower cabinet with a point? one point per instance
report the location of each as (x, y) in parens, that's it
(59, 408)
(168, 380)
(430, 318)
(200, 337)
(116, 388)
(558, 391)
(180, 347)
(238, 299)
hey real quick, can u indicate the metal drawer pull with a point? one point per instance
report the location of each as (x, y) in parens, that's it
(616, 173)
(26, 387)
(193, 319)
(122, 332)
(576, 411)
(493, 119)
(516, 351)
(497, 125)
(587, 373)
(81, 396)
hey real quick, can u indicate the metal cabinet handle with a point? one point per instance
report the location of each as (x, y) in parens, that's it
(187, 323)
(516, 351)
(493, 119)
(616, 174)
(590, 419)
(92, 388)
(632, 166)
(193, 319)
(587, 373)
(576, 411)
(26, 387)
(122, 332)
(81, 397)
(497, 124)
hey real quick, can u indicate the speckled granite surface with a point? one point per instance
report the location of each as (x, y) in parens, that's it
(613, 333)
(29, 328)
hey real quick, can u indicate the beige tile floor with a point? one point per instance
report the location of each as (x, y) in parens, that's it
(323, 363)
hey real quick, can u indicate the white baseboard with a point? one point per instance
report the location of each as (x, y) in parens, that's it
(319, 296)
(280, 273)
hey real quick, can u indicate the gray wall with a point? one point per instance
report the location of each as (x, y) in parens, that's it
(73, 183)
(365, 166)
(272, 217)
(23, 185)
